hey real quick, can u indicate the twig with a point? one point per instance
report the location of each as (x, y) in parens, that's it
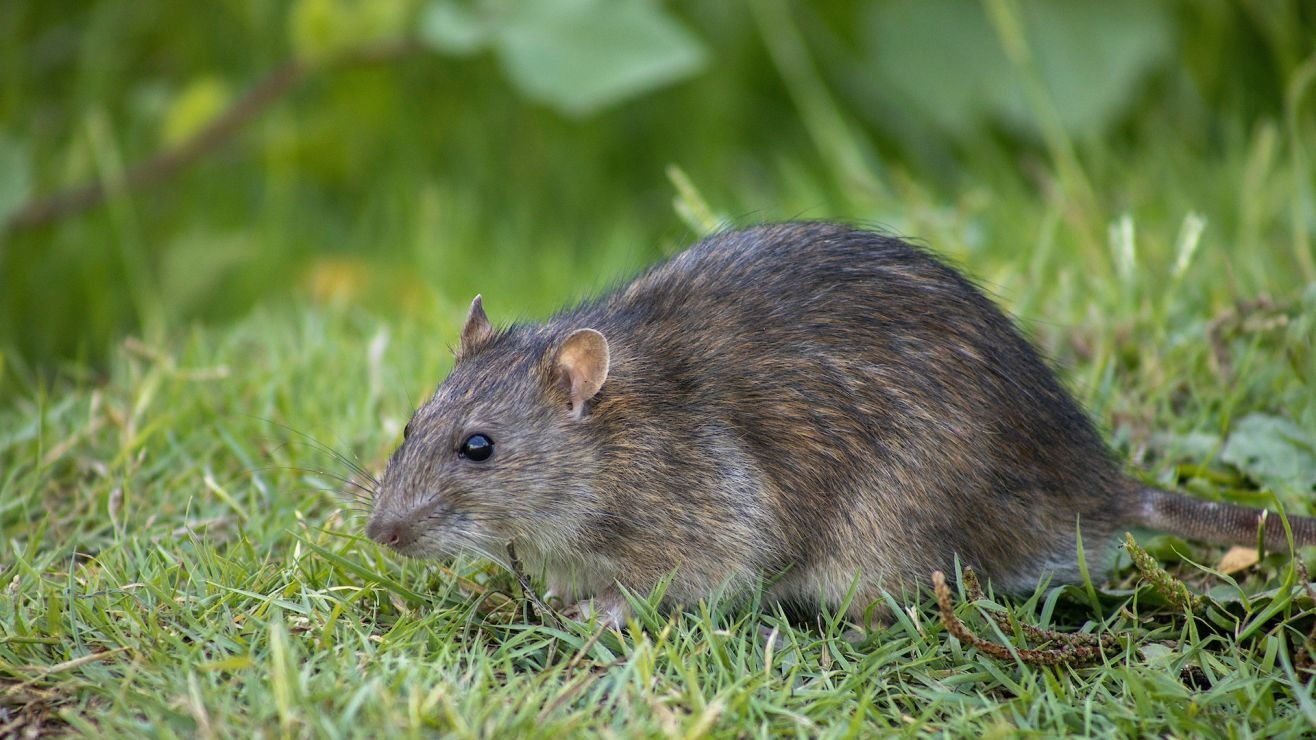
(169, 162)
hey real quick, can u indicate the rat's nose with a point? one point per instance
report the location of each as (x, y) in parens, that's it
(395, 532)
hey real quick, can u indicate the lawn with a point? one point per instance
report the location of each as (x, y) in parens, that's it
(185, 401)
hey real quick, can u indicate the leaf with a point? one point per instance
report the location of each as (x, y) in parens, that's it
(576, 55)
(1273, 451)
(321, 29)
(198, 103)
(380, 19)
(1237, 558)
(317, 28)
(583, 55)
(944, 59)
(1191, 445)
(455, 28)
(1157, 653)
(15, 176)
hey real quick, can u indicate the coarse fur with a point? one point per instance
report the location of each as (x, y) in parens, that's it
(807, 405)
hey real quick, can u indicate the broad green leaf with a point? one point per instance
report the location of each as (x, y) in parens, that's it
(15, 176)
(945, 60)
(1195, 445)
(456, 28)
(583, 55)
(1276, 452)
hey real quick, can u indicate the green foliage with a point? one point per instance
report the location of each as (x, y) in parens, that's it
(1276, 452)
(323, 29)
(578, 55)
(15, 177)
(962, 66)
(192, 108)
(1138, 190)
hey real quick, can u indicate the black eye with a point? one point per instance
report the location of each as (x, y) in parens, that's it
(477, 447)
(406, 430)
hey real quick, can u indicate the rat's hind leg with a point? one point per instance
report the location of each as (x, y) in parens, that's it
(833, 586)
(609, 605)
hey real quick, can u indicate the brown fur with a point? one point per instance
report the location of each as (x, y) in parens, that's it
(809, 405)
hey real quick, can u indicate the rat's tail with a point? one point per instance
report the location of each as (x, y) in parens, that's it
(1219, 524)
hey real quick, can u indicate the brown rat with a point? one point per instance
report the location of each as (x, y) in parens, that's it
(806, 405)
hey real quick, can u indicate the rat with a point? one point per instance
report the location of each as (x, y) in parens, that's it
(814, 411)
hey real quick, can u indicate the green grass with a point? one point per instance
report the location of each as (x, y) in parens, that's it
(175, 564)
(176, 554)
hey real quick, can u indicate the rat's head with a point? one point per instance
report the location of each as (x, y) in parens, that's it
(500, 452)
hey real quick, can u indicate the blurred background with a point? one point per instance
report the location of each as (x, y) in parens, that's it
(165, 165)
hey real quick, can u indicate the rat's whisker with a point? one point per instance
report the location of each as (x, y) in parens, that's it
(356, 467)
(470, 540)
(363, 489)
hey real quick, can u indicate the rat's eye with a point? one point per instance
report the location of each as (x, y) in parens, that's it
(406, 430)
(477, 447)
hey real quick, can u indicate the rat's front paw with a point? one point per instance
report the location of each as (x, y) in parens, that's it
(610, 608)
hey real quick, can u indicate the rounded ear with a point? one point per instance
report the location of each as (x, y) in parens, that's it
(582, 364)
(478, 331)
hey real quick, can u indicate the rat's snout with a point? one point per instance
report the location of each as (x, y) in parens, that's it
(398, 532)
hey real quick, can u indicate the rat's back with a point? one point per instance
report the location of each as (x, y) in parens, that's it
(893, 414)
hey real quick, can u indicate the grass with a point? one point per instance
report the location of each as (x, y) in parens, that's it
(177, 557)
(177, 563)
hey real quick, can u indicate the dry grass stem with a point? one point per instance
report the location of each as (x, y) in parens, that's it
(1070, 653)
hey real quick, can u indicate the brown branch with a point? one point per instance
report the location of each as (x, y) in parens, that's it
(166, 164)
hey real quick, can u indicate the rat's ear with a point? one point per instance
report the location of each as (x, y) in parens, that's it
(478, 331)
(582, 366)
